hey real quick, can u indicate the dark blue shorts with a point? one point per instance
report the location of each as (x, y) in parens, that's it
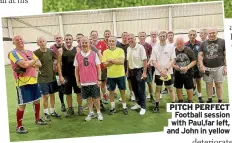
(120, 82)
(48, 88)
(28, 93)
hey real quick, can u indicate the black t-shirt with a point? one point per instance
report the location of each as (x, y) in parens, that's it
(68, 57)
(124, 47)
(184, 58)
(213, 53)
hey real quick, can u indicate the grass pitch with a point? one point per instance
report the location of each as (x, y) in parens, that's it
(77, 127)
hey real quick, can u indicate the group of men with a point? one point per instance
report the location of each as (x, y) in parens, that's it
(94, 65)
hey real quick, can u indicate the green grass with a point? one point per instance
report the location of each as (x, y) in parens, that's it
(77, 127)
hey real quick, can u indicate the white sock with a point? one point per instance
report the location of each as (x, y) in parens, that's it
(199, 94)
(46, 111)
(99, 112)
(112, 105)
(52, 110)
(124, 105)
(91, 112)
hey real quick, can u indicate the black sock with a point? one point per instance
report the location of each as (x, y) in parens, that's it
(219, 101)
(157, 104)
(210, 99)
(189, 101)
(194, 88)
(61, 96)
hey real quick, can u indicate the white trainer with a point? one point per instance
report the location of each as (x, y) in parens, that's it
(100, 117)
(142, 111)
(136, 106)
(132, 96)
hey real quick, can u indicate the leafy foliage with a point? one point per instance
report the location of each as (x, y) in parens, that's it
(73, 5)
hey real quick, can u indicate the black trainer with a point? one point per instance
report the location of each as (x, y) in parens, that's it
(156, 109)
(112, 111)
(41, 122)
(21, 130)
(70, 112)
(200, 100)
(63, 109)
(209, 100)
(54, 114)
(125, 111)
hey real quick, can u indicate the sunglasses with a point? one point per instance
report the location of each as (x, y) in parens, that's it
(86, 61)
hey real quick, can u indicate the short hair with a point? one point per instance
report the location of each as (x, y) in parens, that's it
(155, 31)
(193, 31)
(57, 36)
(79, 34)
(142, 32)
(113, 37)
(179, 39)
(204, 30)
(131, 34)
(93, 31)
(66, 35)
(170, 32)
(124, 33)
(163, 32)
(107, 31)
(85, 38)
(38, 38)
(212, 28)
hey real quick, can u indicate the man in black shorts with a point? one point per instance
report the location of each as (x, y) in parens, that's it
(183, 74)
(163, 57)
(194, 45)
(66, 72)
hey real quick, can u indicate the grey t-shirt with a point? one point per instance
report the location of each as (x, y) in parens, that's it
(213, 53)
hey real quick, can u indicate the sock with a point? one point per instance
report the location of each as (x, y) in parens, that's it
(165, 89)
(199, 94)
(189, 101)
(61, 96)
(52, 110)
(124, 105)
(99, 112)
(219, 101)
(157, 104)
(37, 111)
(91, 112)
(46, 111)
(210, 99)
(173, 101)
(112, 105)
(19, 115)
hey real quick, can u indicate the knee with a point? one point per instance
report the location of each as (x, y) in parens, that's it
(21, 107)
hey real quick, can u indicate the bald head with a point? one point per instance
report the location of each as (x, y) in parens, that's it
(180, 43)
(18, 42)
(85, 44)
(42, 42)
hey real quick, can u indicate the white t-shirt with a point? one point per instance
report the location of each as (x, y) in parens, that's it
(97, 60)
(163, 55)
